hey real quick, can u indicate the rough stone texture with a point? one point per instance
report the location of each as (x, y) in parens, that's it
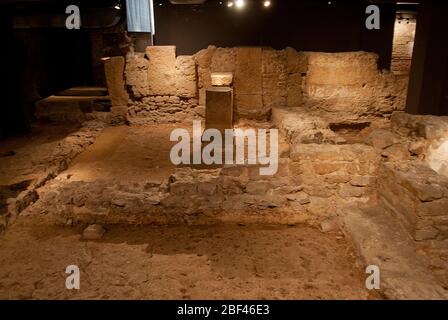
(161, 70)
(249, 106)
(349, 83)
(294, 90)
(334, 85)
(248, 83)
(163, 109)
(403, 45)
(186, 84)
(221, 79)
(381, 241)
(275, 79)
(428, 135)
(381, 138)
(223, 60)
(219, 108)
(297, 65)
(93, 232)
(297, 62)
(114, 70)
(248, 76)
(203, 60)
(418, 196)
(39, 170)
(136, 73)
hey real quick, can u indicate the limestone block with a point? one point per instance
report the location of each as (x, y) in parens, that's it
(349, 152)
(221, 79)
(114, 70)
(341, 69)
(161, 70)
(249, 106)
(223, 60)
(136, 73)
(257, 187)
(351, 191)
(204, 57)
(203, 60)
(219, 108)
(294, 90)
(274, 79)
(381, 138)
(296, 61)
(186, 84)
(248, 78)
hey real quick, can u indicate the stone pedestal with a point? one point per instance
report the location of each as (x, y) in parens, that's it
(219, 108)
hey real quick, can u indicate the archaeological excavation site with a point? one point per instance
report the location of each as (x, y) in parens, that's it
(221, 150)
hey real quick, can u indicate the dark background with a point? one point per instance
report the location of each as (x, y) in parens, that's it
(306, 25)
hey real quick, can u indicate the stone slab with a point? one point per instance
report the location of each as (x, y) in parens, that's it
(219, 108)
(114, 71)
(161, 70)
(248, 78)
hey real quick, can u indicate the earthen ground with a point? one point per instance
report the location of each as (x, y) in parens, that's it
(178, 262)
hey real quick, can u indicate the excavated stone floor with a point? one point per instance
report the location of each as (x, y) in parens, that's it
(289, 249)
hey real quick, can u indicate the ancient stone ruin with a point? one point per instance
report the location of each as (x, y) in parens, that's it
(350, 159)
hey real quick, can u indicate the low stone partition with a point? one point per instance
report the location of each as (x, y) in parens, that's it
(308, 186)
(194, 196)
(418, 196)
(343, 172)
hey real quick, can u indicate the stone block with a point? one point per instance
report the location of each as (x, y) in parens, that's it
(294, 90)
(296, 61)
(114, 71)
(219, 108)
(257, 187)
(250, 106)
(381, 138)
(220, 79)
(223, 60)
(161, 70)
(351, 152)
(248, 79)
(136, 73)
(341, 69)
(347, 191)
(186, 83)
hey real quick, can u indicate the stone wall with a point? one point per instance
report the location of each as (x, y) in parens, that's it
(428, 138)
(403, 45)
(418, 196)
(163, 88)
(348, 85)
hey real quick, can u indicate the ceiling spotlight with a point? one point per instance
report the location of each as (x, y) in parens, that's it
(117, 6)
(240, 3)
(230, 4)
(266, 3)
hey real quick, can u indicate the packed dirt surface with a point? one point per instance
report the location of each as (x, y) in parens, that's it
(24, 157)
(178, 262)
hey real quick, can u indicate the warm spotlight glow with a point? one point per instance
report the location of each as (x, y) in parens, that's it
(117, 7)
(240, 3)
(230, 4)
(266, 4)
